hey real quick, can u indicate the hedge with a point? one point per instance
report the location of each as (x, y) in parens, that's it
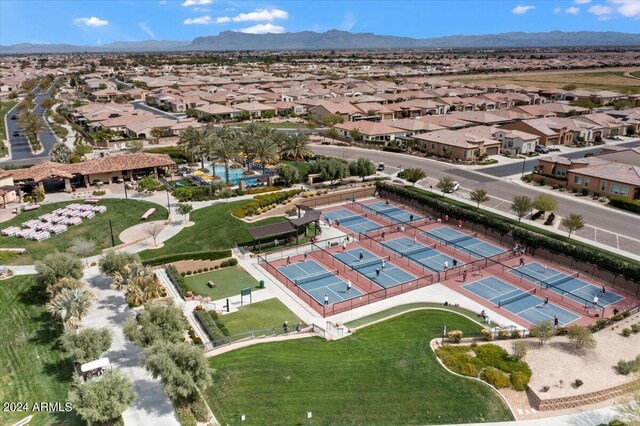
(625, 204)
(211, 324)
(504, 226)
(198, 255)
(177, 280)
(392, 149)
(264, 202)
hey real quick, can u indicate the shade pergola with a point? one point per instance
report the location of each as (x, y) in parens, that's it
(280, 229)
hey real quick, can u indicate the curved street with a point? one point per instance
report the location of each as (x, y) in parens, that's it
(607, 226)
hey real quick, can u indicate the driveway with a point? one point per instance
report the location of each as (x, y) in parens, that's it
(152, 405)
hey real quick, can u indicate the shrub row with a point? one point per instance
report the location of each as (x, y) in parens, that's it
(605, 322)
(392, 149)
(625, 204)
(203, 193)
(177, 280)
(211, 324)
(532, 239)
(199, 255)
(224, 264)
(491, 362)
(264, 202)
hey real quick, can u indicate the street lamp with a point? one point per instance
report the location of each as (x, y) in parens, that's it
(524, 162)
(168, 202)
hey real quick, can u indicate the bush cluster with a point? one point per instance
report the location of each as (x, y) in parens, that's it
(212, 324)
(628, 367)
(495, 377)
(203, 193)
(265, 202)
(392, 149)
(605, 322)
(455, 336)
(625, 204)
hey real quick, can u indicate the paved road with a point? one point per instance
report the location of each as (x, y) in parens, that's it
(173, 116)
(20, 149)
(530, 163)
(607, 226)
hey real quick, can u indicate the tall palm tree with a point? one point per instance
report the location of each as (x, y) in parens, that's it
(226, 149)
(297, 147)
(266, 151)
(71, 305)
(191, 140)
(280, 139)
(245, 143)
(208, 146)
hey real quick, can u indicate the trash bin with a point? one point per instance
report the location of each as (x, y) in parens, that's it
(261, 283)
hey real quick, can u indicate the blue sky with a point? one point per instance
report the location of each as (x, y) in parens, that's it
(92, 22)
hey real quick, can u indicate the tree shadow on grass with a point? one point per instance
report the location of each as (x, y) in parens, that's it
(33, 296)
(61, 370)
(48, 331)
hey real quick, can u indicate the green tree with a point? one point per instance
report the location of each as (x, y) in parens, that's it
(330, 169)
(225, 149)
(135, 146)
(573, 222)
(115, 261)
(86, 344)
(181, 367)
(518, 350)
(355, 134)
(71, 305)
(288, 174)
(332, 133)
(545, 203)
(159, 132)
(148, 183)
(55, 266)
(32, 124)
(156, 323)
(82, 247)
(266, 151)
(297, 147)
(544, 331)
(140, 283)
(60, 153)
(55, 288)
(413, 175)
(362, 167)
(192, 140)
(184, 209)
(102, 400)
(479, 195)
(47, 103)
(521, 205)
(446, 184)
(581, 337)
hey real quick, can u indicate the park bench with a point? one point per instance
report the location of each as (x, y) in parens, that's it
(31, 207)
(211, 284)
(92, 200)
(148, 213)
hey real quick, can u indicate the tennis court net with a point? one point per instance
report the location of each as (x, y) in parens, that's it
(419, 250)
(462, 238)
(372, 262)
(517, 297)
(315, 277)
(348, 218)
(561, 280)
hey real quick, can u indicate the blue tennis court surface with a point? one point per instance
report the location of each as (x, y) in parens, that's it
(316, 280)
(390, 212)
(390, 275)
(352, 221)
(464, 242)
(527, 306)
(420, 253)
(567, 285)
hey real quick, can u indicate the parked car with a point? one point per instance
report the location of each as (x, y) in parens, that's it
(14, 117)
(16, 133)
(455, 187)
(542, 149)
(380, 167)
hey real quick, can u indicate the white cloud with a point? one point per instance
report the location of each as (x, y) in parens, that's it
(200, 20)
(581, 1)
(628, 8)
(602, 12)
(572, 10)
(163, 1)
(348, 22)
(91, 22)
(146, 29)
(557, 10)
(257, 15)
(263, 29)
(202, 9)
(521, 10)
(188, 3)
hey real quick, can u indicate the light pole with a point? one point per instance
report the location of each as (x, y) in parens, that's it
(524, 162)
(124, 183)
(168, 202)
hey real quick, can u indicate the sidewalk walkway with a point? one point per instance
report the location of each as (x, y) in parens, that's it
(152, 406)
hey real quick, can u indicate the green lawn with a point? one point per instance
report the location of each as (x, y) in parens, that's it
(302, 166)
(123, 214)
(271, 313)
(385, 374)
(215, 228)
(636, 74)
(32, 367)
(61, 132)
(229, 281)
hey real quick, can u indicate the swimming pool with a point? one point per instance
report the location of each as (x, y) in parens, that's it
(235, 175)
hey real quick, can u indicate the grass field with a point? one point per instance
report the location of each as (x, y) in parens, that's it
(385, 374)
(215, 228)
(123, 214)
(229, 281)
(271, 313)
(588, 80)
(636, 74)
(32, 367)
(61, 132)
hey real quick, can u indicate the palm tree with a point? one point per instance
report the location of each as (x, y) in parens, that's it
(280, 139)
(208, 147)
(71, 305)
(121, 280)
(297, 147)
(191, 140)
(266, 151)
(60, 153)
(61, 284)
(245, 142)
(226, 149)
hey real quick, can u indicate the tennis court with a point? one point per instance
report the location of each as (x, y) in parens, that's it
(390, 275)
(465, 242)
(424, 255)
(524, 304)
(352, 221)
(566, 285)
(317, 281)
(390, 212)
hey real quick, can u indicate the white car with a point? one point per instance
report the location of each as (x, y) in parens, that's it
(454, 188)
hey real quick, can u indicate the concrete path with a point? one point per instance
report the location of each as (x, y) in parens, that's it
(580, 418)
(152, 406)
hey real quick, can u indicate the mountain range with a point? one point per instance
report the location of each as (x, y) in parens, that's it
(341, 40)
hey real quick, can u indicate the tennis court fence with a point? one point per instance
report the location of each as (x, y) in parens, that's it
(258, 334)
